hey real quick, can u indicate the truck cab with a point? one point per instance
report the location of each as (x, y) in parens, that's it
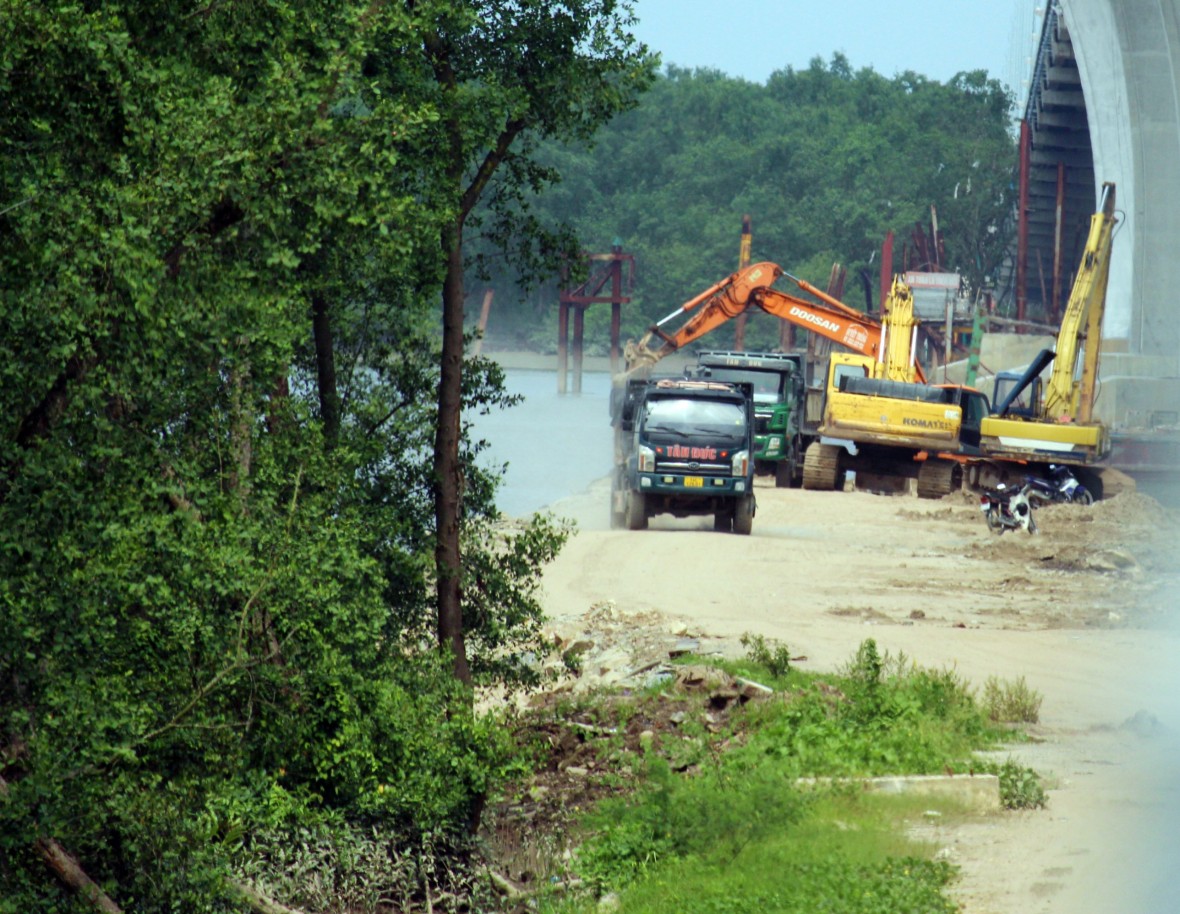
(778, 383)
(684, 447)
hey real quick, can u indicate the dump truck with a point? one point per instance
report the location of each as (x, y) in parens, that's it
(683, 447)
(781, 432)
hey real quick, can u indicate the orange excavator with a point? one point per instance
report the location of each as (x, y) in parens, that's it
(752, 288)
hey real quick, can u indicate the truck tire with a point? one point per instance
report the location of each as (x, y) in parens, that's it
(821, 467)
(636, 511)
(784, 472)
(617, 517)
(743, 516)
(938, 478)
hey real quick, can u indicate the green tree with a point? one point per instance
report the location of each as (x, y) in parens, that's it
(825, 159)
(219, 354)
(505, 78)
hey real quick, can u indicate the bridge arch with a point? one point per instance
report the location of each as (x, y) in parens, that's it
(1104, 105)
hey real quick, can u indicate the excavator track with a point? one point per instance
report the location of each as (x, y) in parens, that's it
(821, 466)
(938, 477)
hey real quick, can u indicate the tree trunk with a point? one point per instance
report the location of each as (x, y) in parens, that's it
(325, 363)
(241, 429)
(68, 870)
(448, 472)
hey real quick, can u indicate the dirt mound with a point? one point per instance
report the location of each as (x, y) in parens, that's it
(586, 753)
(1133, 509)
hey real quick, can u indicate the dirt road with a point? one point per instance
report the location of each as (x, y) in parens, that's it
(1081, 611)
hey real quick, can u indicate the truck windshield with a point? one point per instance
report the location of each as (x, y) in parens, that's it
(679, 415)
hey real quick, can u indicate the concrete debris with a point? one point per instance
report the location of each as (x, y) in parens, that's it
(610, 647)
(594, 728)
(977, 792)
(752, 689)
(609, 903)
(702, 678)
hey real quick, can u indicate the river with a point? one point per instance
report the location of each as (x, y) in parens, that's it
(554, 445)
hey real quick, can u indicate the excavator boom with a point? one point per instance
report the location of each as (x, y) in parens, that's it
(1063, 429)
(1081, 327)
(752, 287)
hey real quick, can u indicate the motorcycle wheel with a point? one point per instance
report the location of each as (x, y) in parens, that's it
(994, 524)
(1032, 524)
(1082, 496)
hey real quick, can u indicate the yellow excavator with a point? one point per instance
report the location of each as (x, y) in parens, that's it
(1058, 425)
(882, 422)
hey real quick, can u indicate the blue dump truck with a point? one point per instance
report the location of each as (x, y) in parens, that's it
(683, 447)
(781, 432)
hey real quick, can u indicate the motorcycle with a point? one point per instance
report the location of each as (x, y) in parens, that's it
(1008, 509)
(1062, 487)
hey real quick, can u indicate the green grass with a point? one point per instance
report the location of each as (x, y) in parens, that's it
(842, 852)
(742, 836)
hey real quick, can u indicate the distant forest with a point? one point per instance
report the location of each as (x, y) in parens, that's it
(824, 160)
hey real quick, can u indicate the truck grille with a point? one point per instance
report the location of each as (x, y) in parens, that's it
(695, 468)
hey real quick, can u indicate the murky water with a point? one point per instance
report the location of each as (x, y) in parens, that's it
(554, 445)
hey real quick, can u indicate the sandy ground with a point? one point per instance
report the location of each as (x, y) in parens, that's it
(1081, 611)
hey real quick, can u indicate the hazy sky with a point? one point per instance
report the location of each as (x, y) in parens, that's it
(753, 38)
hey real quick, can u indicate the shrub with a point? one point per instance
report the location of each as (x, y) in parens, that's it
(1011, 701)
(776, 659)
(1020, 787)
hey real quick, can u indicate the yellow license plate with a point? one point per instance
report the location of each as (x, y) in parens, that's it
(694, 481)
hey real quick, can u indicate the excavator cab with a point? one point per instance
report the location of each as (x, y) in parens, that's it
(975, 408)
(1026, 404)
(842, 372)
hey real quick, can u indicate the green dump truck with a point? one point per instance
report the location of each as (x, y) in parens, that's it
(781, 433)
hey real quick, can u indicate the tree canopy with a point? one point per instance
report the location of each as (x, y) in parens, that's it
(825, 160)
(225, 231)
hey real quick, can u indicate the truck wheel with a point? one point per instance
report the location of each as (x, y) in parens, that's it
(636, 511)
(743, 516)
(784, 473)
(723, 521)
(821, 466)
(618, 516)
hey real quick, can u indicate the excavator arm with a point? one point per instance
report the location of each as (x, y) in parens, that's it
(851, 329)
(1081, 327)
(1064, 429)
(751, 287)
(719, 303)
